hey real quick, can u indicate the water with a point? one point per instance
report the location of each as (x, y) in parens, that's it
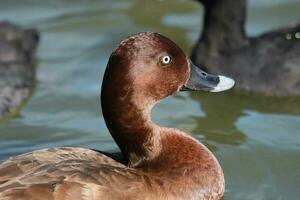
(256, 139)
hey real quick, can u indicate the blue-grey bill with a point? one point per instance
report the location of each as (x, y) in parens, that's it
(200, 80)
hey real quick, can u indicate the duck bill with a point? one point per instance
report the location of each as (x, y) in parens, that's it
(200, 80)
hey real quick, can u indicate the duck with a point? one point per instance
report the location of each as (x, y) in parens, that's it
(267, 64)
(158, 162)
(17, 66)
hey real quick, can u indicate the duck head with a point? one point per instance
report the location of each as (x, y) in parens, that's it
(145, 68)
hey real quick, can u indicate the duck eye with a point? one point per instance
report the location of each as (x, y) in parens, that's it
(166, 59)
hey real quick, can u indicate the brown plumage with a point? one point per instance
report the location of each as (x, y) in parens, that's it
(161, 163)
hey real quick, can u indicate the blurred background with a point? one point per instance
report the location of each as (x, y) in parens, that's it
(255, 138)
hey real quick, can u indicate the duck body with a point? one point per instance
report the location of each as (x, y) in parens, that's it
(77, 173)
(160, 163)
(268, 64)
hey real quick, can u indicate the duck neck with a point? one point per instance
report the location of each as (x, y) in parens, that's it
(224, 23)
(129, 123)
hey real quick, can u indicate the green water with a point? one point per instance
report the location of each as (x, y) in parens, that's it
(255, 138)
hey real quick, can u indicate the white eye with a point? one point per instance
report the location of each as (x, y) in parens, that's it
(166, 59)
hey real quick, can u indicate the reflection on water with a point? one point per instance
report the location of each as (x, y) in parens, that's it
(225, 109)
(255, 138)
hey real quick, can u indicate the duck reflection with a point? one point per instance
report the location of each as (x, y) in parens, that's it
(224, 109)
(151, 15)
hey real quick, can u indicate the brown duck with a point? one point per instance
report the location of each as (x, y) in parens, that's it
(160, 162)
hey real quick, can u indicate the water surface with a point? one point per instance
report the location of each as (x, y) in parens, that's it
(255, 138)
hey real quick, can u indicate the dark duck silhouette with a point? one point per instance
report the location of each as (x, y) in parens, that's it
(267, 64)
(17, 71)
